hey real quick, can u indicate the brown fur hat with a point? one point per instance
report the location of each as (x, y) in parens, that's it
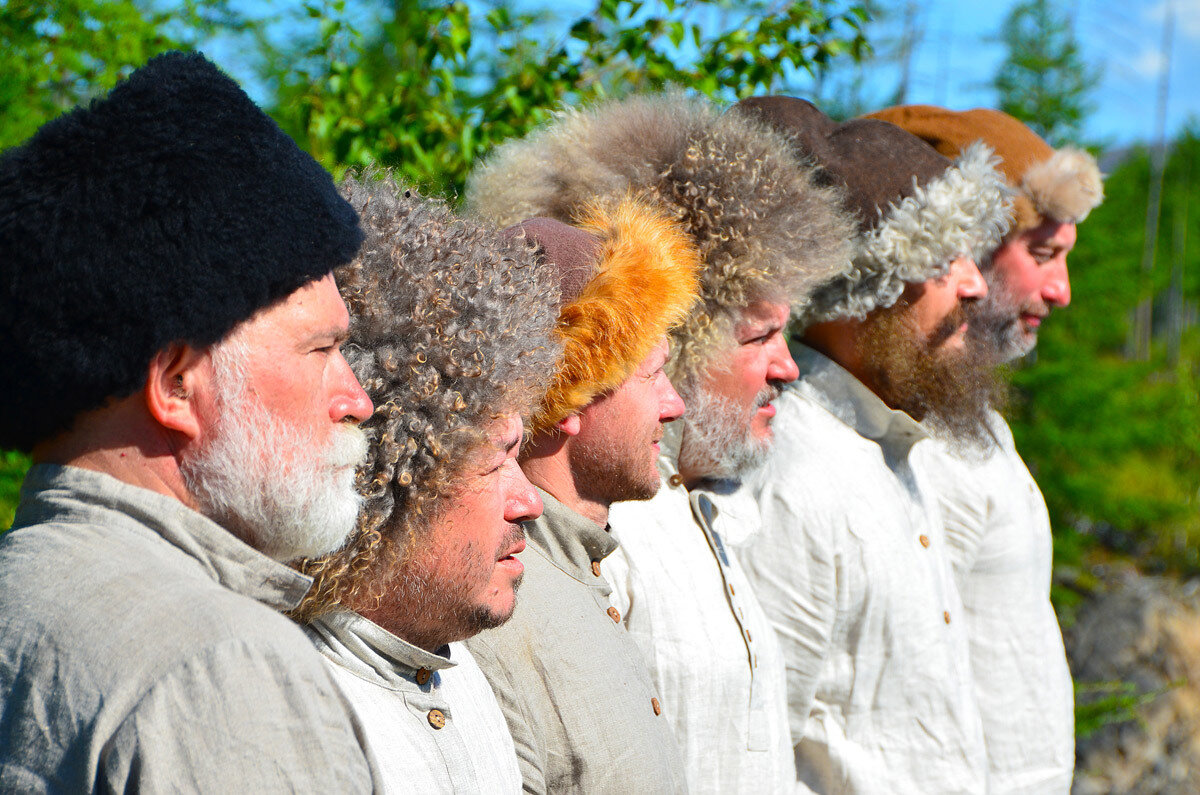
(627, 276)
(763, 227)
(1052, 184)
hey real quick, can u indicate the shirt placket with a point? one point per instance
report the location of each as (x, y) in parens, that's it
(436, 717)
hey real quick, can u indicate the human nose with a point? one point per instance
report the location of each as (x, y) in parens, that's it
(523, 502)
(970, 281)
(350, 401)
(670, 405)
(1057, 289)
(782, 366)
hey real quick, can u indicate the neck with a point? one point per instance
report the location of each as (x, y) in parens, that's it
(394, 615)
(838, 340)
(545, 461)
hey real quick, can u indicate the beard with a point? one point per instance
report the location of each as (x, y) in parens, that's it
(616, 468)
(718, 441)
(996, 330)
(952, 390)
(269, 481)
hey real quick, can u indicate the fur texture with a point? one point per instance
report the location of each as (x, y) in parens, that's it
(763, 227)
(965, 210)
(1066, 187)
(170, 210)
(644, 285)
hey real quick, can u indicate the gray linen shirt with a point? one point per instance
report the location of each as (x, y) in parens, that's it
(571, 682)
(141, 648)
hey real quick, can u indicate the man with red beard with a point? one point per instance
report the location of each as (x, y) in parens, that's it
(852, 565)
(170, 336)
(451, 333)
(767, 235)
(996, 520)
(584, 714)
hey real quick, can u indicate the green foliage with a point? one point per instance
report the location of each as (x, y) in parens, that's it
(12, 472)
(1043, 80)
(1100, 704)
(437, 85)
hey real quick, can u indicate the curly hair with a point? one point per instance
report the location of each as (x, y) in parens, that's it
(764, 227)
(451, 326)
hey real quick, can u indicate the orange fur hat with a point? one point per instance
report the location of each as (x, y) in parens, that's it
(627, 276)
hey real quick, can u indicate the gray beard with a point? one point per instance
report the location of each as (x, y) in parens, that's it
(717, 442)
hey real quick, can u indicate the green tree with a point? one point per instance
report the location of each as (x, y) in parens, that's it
(1043, 80)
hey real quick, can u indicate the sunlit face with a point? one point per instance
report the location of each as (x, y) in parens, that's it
(935, 307)
(613, 456)
(461, 578)
(1028, 278)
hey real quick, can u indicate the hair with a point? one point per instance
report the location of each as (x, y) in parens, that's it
(450, 327)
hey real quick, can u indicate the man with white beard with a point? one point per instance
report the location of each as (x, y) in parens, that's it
(997, 525)
(169, 349)
(767, 234)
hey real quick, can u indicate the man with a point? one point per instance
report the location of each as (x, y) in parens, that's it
(767, 235)
(169, 346)
(583, 711)
(851, 565)
(451, 332)
(996, 520)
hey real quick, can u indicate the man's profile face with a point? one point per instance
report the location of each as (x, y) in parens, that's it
(936, 306)
(729, 426)
(613, 456)
(1027, 279)
(462, 574)
(275, 460)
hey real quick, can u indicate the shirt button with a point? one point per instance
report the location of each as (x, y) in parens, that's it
(436, 718)
(946, 616)
(422, 675)
(924, 539)
(614, 615)
(596, 568)
(656, 706)
(675, 481)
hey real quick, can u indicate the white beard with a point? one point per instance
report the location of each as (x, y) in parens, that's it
(717, 441)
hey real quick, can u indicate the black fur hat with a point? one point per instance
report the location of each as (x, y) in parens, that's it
(170, 210)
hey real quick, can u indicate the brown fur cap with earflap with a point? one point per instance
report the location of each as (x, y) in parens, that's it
(627, 275)
(762, 225)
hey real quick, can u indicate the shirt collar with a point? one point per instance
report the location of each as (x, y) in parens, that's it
(373, 653)
(569, 540)
(72, 494)
(833, 387)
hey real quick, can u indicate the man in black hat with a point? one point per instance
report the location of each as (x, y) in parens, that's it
(169, 349)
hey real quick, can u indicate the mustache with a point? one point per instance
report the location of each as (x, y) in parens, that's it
(948, 326)
(515, 534)
(767, 395)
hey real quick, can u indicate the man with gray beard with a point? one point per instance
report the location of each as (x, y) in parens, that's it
(767, 235)
(170, 337)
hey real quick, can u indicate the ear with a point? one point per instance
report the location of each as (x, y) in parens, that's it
(175, 376)
(569, 425)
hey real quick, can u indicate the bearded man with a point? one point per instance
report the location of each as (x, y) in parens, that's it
(852, 565)
(767, 235)
(450, 331)
(169, 345)
(997, 525)
(584, 714)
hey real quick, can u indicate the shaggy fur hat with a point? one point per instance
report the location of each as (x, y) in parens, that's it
(451, 325)
(764, 229)
(916, 210)
(170, 210)
(626, 278)
(1057, 184)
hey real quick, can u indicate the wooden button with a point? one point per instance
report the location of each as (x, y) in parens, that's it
(924, 539)
(614, 615)
(436, 718)
(422, 675)
(675, 480)
(946, 615)
(596, 567)
(656, 706)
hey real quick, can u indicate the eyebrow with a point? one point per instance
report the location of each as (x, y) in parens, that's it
(516, 440)
(336, 335)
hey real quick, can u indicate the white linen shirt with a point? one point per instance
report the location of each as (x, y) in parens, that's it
(851, 567)
(430, 720)
(998, 533)
(712, 654)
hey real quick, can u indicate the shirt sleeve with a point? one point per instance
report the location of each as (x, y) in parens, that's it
(237, 718)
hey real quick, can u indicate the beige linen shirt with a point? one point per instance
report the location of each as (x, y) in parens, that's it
(141, 648)
(430, 720)
(998, 532)
(852, 568)
(713, 655)
(583, 712)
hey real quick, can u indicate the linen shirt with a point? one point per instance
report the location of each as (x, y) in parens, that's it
(852, 568)
(998, 532)
(430, 720)
(583, 711)
(141, 648)
(713, 655)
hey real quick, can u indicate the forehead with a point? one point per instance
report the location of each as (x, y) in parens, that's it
(1053, 233)
(313, 309)
(764, 313)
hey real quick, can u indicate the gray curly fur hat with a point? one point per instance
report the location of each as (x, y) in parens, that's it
(916, 209)
(763, 226)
